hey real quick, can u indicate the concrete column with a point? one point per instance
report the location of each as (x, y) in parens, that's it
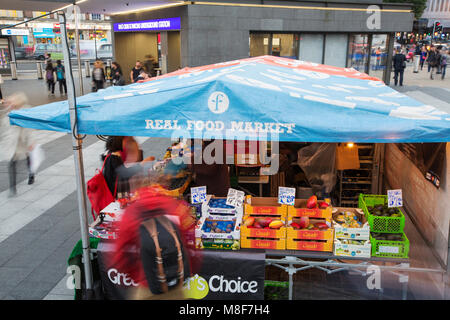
(164, 52)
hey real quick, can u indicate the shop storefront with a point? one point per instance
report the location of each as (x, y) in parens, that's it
(159, 38)
(211, 32)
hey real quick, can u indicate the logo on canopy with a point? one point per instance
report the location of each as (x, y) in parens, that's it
(218, 102)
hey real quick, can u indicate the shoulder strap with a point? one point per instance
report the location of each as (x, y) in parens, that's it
(105, 161)
(168, 226)
(151, 228)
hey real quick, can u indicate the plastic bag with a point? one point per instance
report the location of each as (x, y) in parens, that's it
(318, 163)
(37, 156)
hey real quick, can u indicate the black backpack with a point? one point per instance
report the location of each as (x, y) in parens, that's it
(163, 256)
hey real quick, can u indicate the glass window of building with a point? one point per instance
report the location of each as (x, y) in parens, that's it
(358, 48)
(311, 47)
(259, 44)
(378, 55)
(336, 50)
(285, 45)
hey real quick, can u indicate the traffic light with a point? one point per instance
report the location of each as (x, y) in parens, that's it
(437, 26)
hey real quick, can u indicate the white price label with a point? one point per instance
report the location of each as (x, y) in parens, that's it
(286, 196)
(395, 198)
(235, 197)
(386, 249)
(198, 194)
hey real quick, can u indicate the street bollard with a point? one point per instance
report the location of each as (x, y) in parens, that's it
(86, 68)
(13, 70)
(43, 69)
(39, 70)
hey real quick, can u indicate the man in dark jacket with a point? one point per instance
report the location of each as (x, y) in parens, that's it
(432, 61)
(399, 65)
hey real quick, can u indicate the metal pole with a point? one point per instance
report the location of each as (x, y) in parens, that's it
(95, 41)
(39, 70)
(77, 41)
(78, 158)
(86, 67)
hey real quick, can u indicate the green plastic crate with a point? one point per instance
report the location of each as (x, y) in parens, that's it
(276, 290)
(389, 248)
(380, 224)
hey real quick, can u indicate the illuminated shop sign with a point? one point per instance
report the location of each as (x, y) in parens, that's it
(148, 25)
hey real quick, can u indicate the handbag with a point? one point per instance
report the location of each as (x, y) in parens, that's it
(98, 192)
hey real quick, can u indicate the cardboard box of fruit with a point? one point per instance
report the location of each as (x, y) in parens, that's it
(214, 205)
(263, 243)
(309, 228)
(223, 244)
(352, 248)
(263, 227)
(311, 207)
(350, 223)
(264, 206)
(219, 227)
(309, 245)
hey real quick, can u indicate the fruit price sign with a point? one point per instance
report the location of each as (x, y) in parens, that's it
(235, 197)
(198, 194)
(395, 198)
(286, 196)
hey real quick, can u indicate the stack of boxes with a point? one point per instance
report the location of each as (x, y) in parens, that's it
(219, 225)
(311, 240)
(387, 236)
(351, 242)
(264, 238)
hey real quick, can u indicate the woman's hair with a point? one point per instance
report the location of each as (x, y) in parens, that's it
(116, 64)
(114, 143)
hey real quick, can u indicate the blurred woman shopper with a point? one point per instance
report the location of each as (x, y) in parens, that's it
(18, 141)
(163, 262)
(98, 76)
(50, 77)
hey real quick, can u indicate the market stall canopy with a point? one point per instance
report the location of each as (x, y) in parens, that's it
(257, 98)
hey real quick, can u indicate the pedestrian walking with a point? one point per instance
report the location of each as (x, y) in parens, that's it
(61, 76)
(50, 77)
(399, 65)
(149, 65)
(432, 61)
(98, 76)
(1, 95)
(417, 58)
(423, 57)
(136, 71)
(443, 63)
(18, 141)
(117, 76)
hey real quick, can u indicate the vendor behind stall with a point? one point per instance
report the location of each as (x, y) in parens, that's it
(114, 171)
(215, 176)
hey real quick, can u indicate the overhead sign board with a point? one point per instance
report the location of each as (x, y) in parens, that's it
(149, 25)
(15, 32)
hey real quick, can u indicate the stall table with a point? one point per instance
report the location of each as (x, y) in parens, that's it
(329, 263)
